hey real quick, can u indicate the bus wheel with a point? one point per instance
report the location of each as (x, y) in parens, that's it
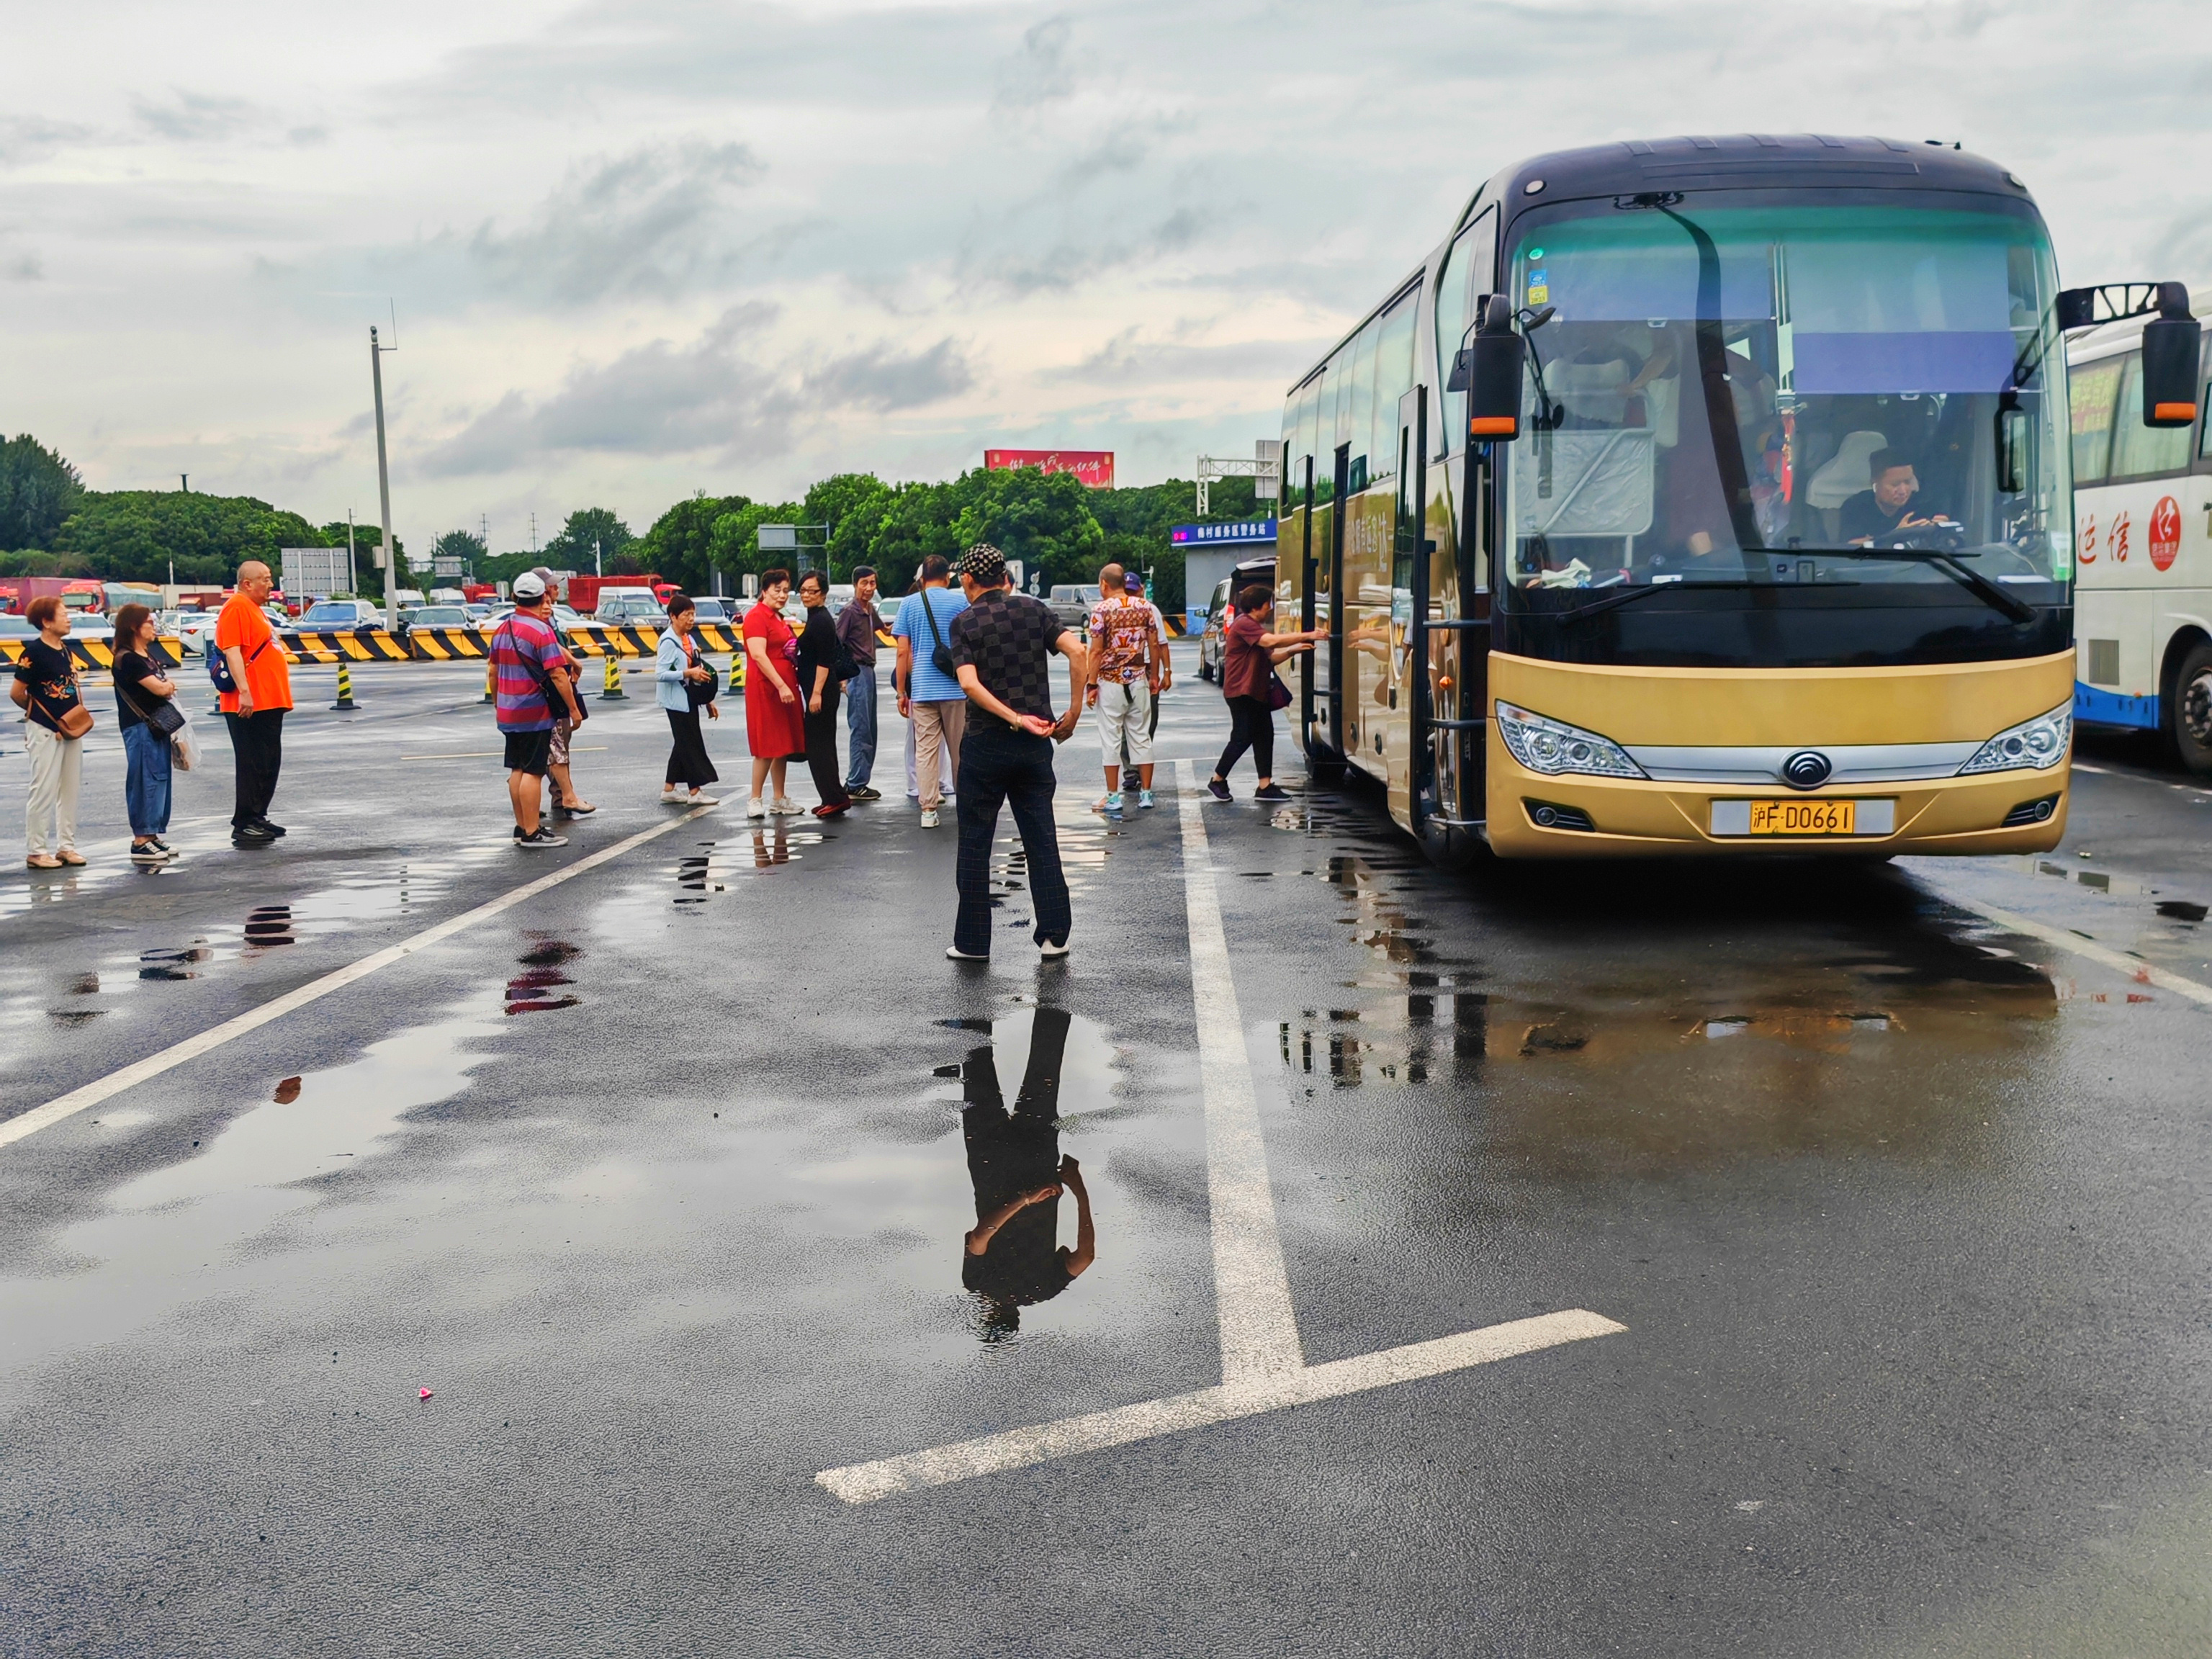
(2191, 722)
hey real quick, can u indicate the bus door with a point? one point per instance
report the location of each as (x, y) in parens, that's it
(1412, 774)
(1331, 659)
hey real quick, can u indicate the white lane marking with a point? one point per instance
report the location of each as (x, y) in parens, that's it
(2134, 967)
(1262, 1367)
(39, 1117)
(1252, 1287)
(864, 1483)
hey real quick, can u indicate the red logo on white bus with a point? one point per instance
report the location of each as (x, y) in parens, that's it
(2165, 532)
(2088, 552)
(2116, 543)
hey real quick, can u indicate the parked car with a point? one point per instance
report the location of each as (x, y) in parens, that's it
(438, 616)
(193, 629)
(1072, 603)
(631, 607)
(1210, 643)
(341, 613)
(715, 611)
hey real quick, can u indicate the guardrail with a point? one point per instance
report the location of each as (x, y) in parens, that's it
(87, 653)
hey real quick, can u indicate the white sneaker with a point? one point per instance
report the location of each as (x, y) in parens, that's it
(1053, 947)
(783, 807)
(669, 798)
(959, 955)
(929, 819)
(699, 799)
(754, 809)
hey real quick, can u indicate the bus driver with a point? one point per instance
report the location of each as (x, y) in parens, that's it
(1876, 515)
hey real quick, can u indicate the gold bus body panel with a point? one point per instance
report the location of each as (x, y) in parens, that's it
(1801, 707)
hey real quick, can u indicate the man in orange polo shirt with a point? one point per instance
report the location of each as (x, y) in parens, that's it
(255, 710)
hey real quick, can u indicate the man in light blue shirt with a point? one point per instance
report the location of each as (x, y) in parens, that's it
(929, 691)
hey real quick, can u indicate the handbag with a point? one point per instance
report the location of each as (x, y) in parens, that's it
(1279, 695)
(164, 716)
(941, 657)
(73, 722)
(701, 692)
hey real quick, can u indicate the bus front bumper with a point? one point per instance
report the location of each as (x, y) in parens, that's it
(1534, 815)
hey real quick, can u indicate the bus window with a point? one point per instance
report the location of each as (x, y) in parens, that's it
(1394, 379)
(1355, 405)
(2093, 390)
(2140, 451)
(1465, 273)
(1309, 402)
(1325, 437)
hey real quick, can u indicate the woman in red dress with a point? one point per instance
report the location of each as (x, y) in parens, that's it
(776, 719)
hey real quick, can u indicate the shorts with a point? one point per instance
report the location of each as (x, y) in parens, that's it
(1125, 711)
(557, 752)
(529, 751)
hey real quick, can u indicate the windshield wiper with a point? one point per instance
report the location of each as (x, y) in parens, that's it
(1629, 595)
(1973, 580)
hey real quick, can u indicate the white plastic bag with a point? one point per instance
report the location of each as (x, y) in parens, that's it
(184, 749)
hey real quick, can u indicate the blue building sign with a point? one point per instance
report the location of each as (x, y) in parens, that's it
(1248, 530)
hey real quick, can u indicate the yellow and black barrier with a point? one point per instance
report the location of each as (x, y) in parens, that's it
(446, 644)
(342, 645)
(87, 653)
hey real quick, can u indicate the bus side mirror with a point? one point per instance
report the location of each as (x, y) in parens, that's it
(1493, 414)
(2012, 447)
(2169, 360)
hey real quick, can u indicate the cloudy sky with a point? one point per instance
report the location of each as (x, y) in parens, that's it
(640, 247)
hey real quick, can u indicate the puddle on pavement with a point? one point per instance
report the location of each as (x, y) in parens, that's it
(718, 863)
(168, 1238)
(1849, 1023)
(539, 987)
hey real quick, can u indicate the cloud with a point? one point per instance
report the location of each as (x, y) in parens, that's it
(24, 268)
(27, 138)
(884, 379)
(192, 118)
(651, 221)
(1128, 360)
(711, 396)
(1044, 70)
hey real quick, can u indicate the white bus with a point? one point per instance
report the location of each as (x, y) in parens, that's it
(2142, 527)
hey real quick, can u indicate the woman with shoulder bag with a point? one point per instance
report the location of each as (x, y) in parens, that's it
(682, 685)
(1249, 654)
(147, 714)
(46, 690)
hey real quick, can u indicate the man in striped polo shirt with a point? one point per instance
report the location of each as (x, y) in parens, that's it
(526, 656)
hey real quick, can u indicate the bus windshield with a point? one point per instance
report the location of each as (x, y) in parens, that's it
(1799, 397)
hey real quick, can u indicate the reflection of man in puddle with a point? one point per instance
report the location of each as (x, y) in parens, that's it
(1013, 1255)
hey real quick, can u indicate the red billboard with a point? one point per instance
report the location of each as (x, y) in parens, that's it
(1092, 466)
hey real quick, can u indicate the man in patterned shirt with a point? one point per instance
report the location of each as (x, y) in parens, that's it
(1002, 646)
(1128, 669)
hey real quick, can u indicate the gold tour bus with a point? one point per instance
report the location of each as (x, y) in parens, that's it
(1705, 494)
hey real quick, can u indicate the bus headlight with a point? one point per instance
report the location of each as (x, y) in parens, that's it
(2039, 743)
(1552, 747)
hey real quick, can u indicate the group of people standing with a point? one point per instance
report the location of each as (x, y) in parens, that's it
(252, 678)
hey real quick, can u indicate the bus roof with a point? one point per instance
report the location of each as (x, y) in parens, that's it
(1743, 160)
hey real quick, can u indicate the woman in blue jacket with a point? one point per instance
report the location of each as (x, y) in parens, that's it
(682, 682)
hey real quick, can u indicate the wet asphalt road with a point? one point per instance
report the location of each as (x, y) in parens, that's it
(657, 1180)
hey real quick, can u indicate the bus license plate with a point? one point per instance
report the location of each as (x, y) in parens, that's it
(1803, 818)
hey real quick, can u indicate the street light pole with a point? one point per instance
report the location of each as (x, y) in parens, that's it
(384, 484)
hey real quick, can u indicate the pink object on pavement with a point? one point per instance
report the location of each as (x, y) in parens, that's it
(426, 1393)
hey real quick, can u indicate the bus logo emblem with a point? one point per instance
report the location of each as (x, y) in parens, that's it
(2165, 532)
(1807, 769)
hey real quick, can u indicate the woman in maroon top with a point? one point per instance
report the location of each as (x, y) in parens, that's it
(776, 718)
(1249, 654)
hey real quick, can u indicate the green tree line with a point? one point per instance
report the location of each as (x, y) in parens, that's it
(1056, 525)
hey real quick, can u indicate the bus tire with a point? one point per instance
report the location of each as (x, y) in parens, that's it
(2190, 725)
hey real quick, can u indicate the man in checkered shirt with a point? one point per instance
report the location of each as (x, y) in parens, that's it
(1002, 645)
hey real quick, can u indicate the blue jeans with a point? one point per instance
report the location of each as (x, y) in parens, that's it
(997, 765)
(860, 725)
(146, 779)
